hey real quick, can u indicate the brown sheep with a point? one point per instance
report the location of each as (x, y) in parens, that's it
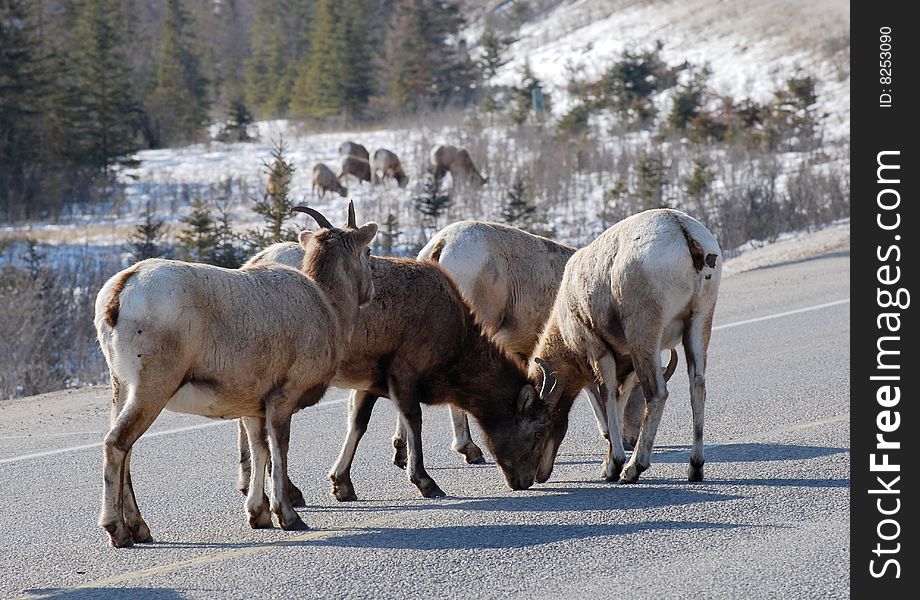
(457, 161)
(324, 179)
(388, 164)
(357, 167)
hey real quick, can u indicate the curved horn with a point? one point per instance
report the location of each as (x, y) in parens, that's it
(672, 365)
(351, 215)
(548, 380)
(317, 216)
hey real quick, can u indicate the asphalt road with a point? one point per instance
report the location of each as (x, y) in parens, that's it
(771, 520)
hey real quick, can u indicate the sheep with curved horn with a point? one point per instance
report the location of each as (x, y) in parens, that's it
(191, 337)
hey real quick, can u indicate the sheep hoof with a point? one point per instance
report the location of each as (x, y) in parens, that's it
(400, 454)
(140, 533)
(343, 490)
(119, 536)
(611, 474)
(295, 524)
(631, 473)
(296, 496)
(473, 455)
(695, 473)
(432, 491)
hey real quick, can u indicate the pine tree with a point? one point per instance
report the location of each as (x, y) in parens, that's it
(426, 69)
(22, 84)
(147, 240)
(432, 202)
(517, 209)
(101, 102)
(320, 88)
(275, 205)
(389, 235)
(269, 68)
(199, 238)
(227, 251)
(178, 101)
(492, 46)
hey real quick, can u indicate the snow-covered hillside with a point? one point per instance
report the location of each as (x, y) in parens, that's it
(752, 47)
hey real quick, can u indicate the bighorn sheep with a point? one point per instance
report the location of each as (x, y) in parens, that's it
(430, 352)
(324, 179)
(509, 278)
(355, 161)
(387, 163)
(457, 161)
(354, 149)
(190, 338)
(649, 282)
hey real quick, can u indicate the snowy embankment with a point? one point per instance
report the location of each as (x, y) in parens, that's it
(751, 47)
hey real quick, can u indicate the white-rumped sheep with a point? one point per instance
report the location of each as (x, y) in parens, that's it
(191, 338)
(647, 283)
(456, 161)
(509, 278)
(387, 164)
(431, 352)
(324, 179)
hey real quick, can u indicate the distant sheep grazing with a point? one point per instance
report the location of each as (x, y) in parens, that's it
(192, 337)
(324, 179)
(387, 163)
(456, 161)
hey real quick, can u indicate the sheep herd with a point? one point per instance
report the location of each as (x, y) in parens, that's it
(385, 165)
(513, 326)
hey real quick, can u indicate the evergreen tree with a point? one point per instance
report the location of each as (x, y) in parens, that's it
(525, 98)
(426, 69)
(147, 239)
(227, 251)
(269, 68)
(432, 202)
(22, 85)
(493, 47)
(275, 205)
(102, 108)
(698, 184)
(389, 235)
(199, 238)
(517, 209)
(320, 89)
(178, 102)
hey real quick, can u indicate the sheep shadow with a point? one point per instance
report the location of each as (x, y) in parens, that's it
(752, 452)
(555, 499)
(106, 593)
(496, 537)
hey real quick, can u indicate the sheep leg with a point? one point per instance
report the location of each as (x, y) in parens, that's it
(411, 412)
(140, 532)
(400, 457)
(648, 369)
(256, 501)
(360, 407)
(278, 420)
(595, 392)
(463, 439)
(696, 342)
(245, 469)
(616, 455)
(130, 423)
(632, 408)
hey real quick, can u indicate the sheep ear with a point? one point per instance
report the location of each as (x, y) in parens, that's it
(365, 234)
(526, 398)
(304, 236)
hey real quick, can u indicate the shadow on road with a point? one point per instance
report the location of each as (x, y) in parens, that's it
(747, 453)
(502, 536)
(88, 593)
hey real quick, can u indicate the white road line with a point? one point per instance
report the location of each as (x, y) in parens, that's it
(14, 459)
(152, 434)
(782, 314)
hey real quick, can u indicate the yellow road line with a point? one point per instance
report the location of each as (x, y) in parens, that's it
(207, 559)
